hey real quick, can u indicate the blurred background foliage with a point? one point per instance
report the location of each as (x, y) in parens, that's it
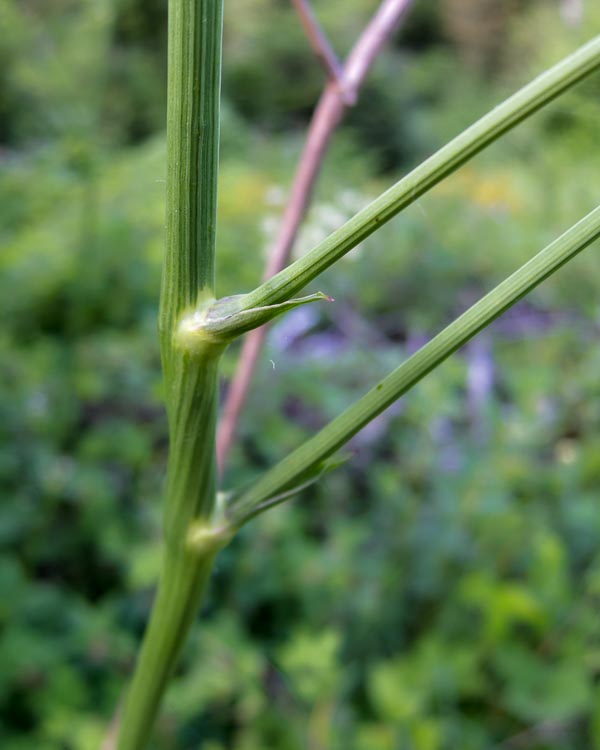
(442, 590)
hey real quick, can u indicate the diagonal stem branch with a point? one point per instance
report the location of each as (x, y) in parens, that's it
(429, 173)
(322, 48)
(293, 469)
(327, 115)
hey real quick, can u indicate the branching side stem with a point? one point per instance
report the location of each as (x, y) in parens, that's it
(448, 159)
(294, 467)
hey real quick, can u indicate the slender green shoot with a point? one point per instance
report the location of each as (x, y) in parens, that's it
(193, 534)
(278, 483)
(448, 159)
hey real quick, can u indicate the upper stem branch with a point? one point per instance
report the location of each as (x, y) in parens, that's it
(445, 161)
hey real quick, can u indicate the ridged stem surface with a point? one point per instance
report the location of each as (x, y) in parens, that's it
(190, 376)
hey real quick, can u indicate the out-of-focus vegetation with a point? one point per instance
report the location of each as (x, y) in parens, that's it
(441, 591)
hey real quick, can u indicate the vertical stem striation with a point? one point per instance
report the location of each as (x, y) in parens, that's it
(195, 37)
(191, 377)
(181, 586)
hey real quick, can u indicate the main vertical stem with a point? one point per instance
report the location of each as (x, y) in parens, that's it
(195, 39)
(195, 34)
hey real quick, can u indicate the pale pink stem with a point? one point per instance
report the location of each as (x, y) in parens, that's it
(326, 117)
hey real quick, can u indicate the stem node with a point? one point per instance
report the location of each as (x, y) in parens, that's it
(206, 539)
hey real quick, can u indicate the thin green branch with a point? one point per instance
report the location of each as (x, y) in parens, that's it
(521, 105)
(293, 469)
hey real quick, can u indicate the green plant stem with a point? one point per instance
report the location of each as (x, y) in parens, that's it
(294, 468)
(194, 527)
(182, 584)
(195, 37)
(191, 475)
(525, 102)
(190, 376)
